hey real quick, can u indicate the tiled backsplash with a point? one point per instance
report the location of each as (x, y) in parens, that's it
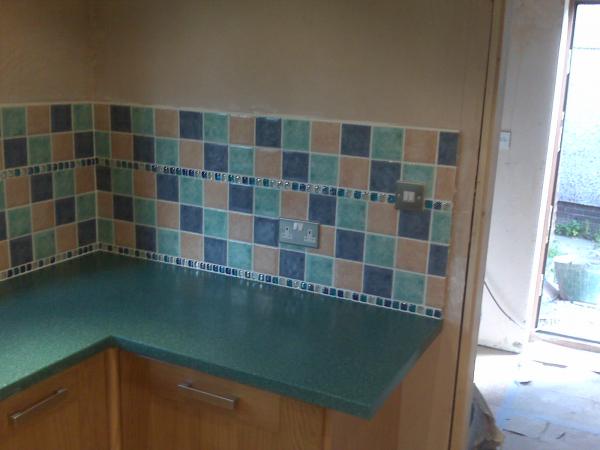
(207, 189)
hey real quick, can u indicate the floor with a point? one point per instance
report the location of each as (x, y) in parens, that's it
(553, 405)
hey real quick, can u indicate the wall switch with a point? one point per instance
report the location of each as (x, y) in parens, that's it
(299, 232)
(410, 196)
(504, 143)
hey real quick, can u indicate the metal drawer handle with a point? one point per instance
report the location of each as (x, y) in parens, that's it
(42, 404)
(208, 397)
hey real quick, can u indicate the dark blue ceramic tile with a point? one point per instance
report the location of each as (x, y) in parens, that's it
(103, 179)
(2, 226)
(268, 132)
(21, 251)
(123, 207)
(438, 260)
(295, 166)
(41, 187)
(266, 231)
(378, 281)
(356, 140)
(215, 157)
(349, 245)
(120, 118)
(384, 176)
(448, 148)
(65, 210)
(145, 238)
(84, 145)
(143, 148)
(321, 209)
(86, 232)
(414, 224)
(190, 218)
(215, 251)
(60, 117)
(15, 152)
(190, 125)
(167, 187)
(291, 264)
(241, 198)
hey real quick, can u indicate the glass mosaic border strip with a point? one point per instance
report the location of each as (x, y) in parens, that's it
(47, 168)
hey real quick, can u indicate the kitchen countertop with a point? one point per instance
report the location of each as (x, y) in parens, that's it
(338, 354)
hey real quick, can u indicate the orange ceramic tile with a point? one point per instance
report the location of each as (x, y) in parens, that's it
(122, 146)
(420, 146)
(124, 234)
(348, 275)
(144, 183)
(38, 119)
(166, 122)
(241, 130)
(354, 172)
(167, 214)
(383, 218)
(85, 179)
(192, 246)
(42, 215)
(445, 183)
(267, 163)
(436, 292)
(4, 262)
(266, 260)
(240, 227)
(326, 240)
(215, 194)
(325, 137)
(101, 117)
(66, 237)
(62, 147)
(191, 154)
(17, 191)
(294, 205)
(412, 255)
(105, 204)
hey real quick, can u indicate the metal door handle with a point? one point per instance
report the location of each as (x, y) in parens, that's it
(227, 402)
(42, 404)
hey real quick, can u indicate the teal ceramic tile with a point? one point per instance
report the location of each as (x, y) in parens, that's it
(324, 169)
(387, 143)
(216, 127)
(19, 222)
(82, 117)
(40, 150)
(43, 244)
(351, 213)
(122, 181)
(190, 191)
(409, 287)
(441, 226)
(380, 250)
(86, 207)
(239, 255)
(102, 144)
(105, 231)
(168, 242)
(64, 183)
(319, 269)
(266, 202)
(215, 223)
(296, 134)
(145, 211)
(167, 151)
(2, 201)
(14, 122)
(241, 160)
(142, 120)
(418, 173)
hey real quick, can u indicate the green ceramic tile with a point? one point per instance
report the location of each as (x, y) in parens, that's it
(296, 134)
(2, 202)
(190, 191)
(142, 120)
(319, 269)
(43, 244)
(86, 206)
(13, 122)
(241, 160)
(105, 231)
(239, 255)
(19, 222)
(122, 181)
(351, 213)
(216, 127)
(409, 287)
(215, 223)
(168, 242)
(387, 143)
(441, 226)
(64, 184)
(380, 250)
(82, 117)
(167, 151)
(145, 211)
(102, 144)
(418, 173)
(40, 150)
(323, 169)
(266, 202)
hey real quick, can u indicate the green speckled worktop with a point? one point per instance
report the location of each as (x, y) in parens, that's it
(338, 354)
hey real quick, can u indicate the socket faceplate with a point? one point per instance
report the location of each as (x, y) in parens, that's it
(299, 232)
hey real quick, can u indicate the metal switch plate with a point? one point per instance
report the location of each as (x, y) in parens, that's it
(410, 196)
(299, 232)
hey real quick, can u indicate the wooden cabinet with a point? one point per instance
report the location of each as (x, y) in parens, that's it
(67, 411)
